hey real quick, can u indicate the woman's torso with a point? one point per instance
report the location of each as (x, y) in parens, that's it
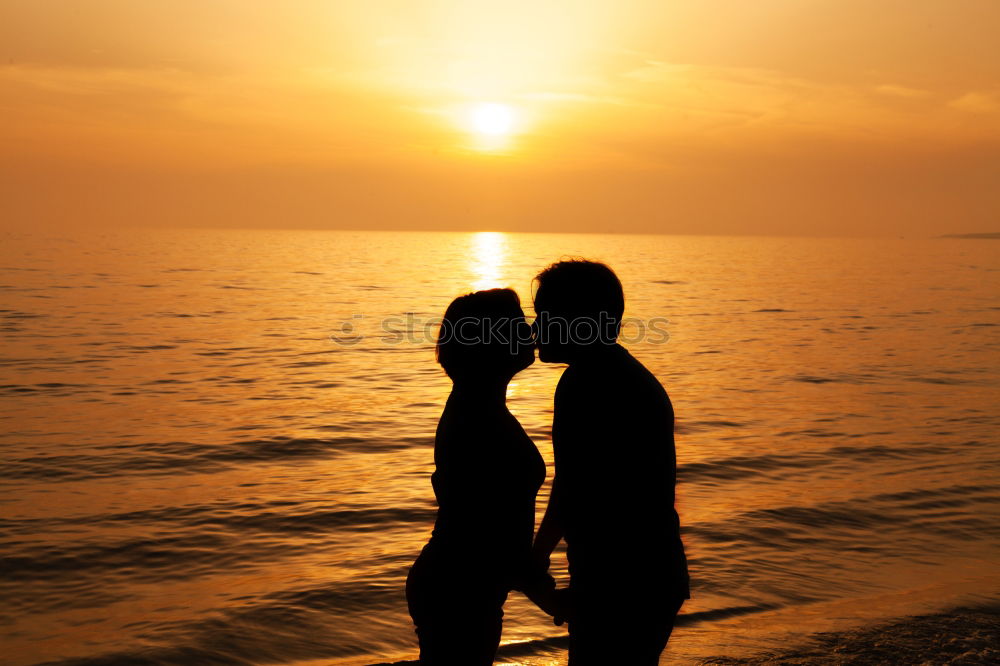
(487, 474)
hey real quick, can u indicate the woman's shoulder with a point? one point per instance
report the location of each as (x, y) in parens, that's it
(477, 428)
(459, 426)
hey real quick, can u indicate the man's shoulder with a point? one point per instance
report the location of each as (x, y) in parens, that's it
(625, 371)
(584, 377)
(616, 376)
(573, 384)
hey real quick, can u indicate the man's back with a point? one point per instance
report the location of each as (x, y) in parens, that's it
(615, 461)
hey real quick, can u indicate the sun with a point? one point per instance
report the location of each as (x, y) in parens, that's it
(491, 119)
(491, 126)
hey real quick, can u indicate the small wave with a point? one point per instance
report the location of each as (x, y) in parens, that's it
(51, 388)
(944, 381)
(841, 378)
(741, 467)
(299, 625)
(187, 543)
(689, 619)
(811, 379)
(543, 645)
(861, 524)
(306, 364)
(697, 426)
(240, 518)
(174, 457)
(174, 557)
(17, 314)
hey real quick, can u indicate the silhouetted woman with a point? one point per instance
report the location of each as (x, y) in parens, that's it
(487, 473)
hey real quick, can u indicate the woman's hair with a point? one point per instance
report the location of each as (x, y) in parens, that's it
(480, 334)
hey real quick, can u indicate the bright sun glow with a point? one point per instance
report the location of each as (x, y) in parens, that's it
(492, 126)
(493, 120)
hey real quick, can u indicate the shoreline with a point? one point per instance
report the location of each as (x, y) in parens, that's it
(961, 636)
(965, 635)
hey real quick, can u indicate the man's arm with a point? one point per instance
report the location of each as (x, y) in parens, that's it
(550, 531)
(539, 586)
(552, 527)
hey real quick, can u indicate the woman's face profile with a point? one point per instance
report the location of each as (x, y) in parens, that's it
(524, 340)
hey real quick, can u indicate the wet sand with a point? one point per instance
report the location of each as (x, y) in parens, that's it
(968, 635)
(961, 636)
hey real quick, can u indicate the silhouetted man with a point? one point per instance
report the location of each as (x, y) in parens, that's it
(613, 492)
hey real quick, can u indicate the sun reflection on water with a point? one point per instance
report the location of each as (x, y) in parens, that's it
(488, 256)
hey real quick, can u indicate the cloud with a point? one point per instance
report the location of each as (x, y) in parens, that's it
(580, 98)
(713, 99)
(176, 116)
(894, 90)
(976, 102)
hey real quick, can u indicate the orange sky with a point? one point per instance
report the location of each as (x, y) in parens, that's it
(825, 117)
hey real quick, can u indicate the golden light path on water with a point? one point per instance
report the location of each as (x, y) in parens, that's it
(488, 262)
(488, 259)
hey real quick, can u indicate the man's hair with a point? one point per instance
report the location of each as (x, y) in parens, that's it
(575, 288)
(460, 349)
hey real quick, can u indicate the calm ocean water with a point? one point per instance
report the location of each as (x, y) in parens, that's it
(194, 471)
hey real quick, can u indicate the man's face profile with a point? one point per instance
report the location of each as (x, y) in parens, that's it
(549, 336)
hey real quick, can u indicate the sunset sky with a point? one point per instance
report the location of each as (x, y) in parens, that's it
(816, 117)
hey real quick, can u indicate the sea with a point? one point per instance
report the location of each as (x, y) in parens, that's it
(217, 444)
